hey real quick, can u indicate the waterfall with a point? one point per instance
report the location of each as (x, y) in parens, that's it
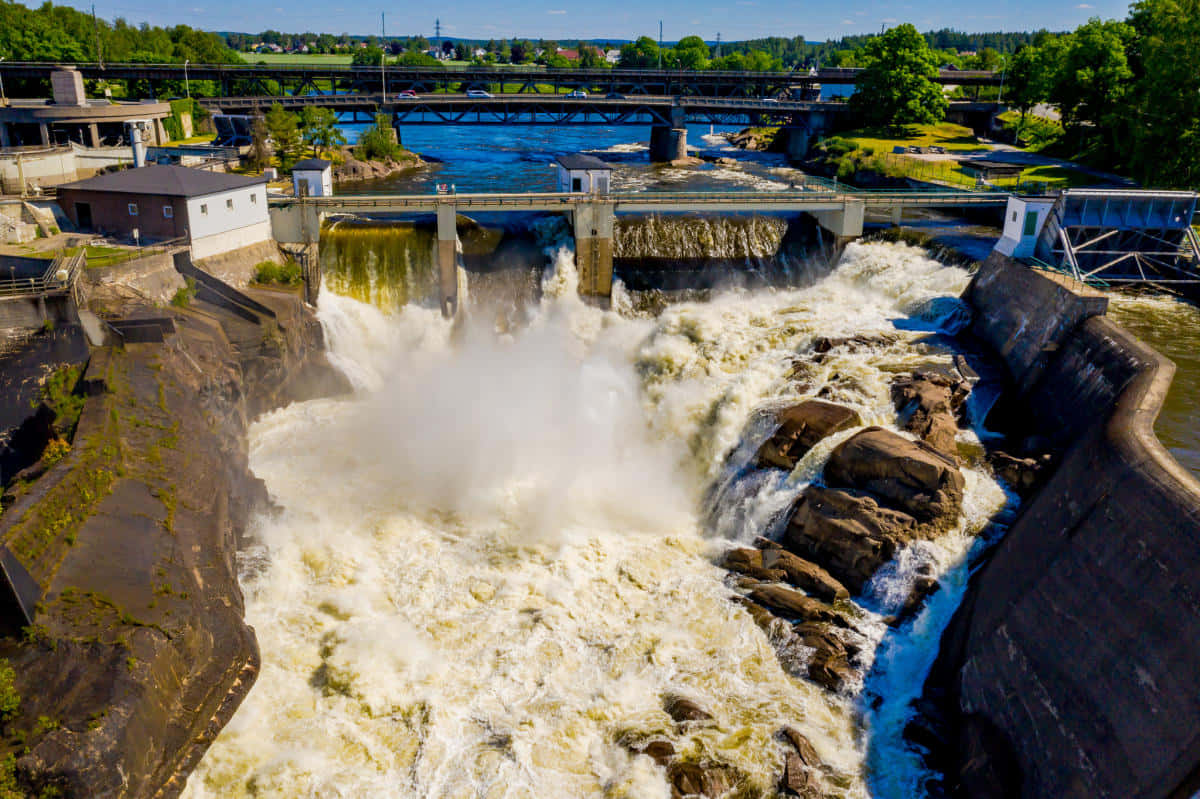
(386, 264)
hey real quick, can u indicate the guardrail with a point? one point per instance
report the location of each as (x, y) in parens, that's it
(59, 277)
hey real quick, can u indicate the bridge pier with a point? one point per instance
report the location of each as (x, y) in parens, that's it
(593, 223)
(447, 259)
(796, 139)
(667, 144)
(845, 224)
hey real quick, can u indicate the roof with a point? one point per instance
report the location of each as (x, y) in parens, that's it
(311, 165)
(988, 163)
(165, 179)
(582, 162)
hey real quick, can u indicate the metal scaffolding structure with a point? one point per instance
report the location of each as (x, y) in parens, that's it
(1123, 236)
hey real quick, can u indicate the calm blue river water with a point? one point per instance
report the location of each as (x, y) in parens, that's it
(521, 158)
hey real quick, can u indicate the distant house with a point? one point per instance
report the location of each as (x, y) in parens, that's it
(479, 52)
(572, 55)
(612, 56)
(583, 173)
(215, 212)
(313, 177)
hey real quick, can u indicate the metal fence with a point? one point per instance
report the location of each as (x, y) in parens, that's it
(59, 277)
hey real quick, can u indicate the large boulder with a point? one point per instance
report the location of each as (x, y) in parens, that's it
(848, 533)
(794, 605)
(804, 574)
(906, 475)
(800, 766)
(707, 779)
(801, 427)
(682, 709)
(750, 563)
(927, 403)
(830, 662)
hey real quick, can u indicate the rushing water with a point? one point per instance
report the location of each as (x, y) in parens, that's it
(491, 562)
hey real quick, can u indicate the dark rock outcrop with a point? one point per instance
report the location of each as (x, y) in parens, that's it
(750, 563)
(682, 709)
(847, 532)
(794, 605)
(801, 765)
(1022, 474)
(927, 404)
(908, 476)
(706, 779)
(804, 574)
(801, 427)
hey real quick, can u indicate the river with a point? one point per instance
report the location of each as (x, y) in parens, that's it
(490, 564)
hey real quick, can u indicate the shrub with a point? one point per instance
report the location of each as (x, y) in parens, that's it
(378, 142)
(10, 700)
(286, 274)
(55, 451)
(184, 296)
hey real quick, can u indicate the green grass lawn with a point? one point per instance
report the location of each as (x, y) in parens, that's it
(955, 138)
(203, 138)
(98, 256)
(291, 59)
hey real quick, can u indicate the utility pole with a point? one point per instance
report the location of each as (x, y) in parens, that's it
(718, 44)
(660, 44)
(437, 33)
(96, 30)
(383, 53)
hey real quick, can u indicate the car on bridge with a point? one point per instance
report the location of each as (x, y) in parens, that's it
(407, 94)
(614, 96)
(578, 93)
(478, 94)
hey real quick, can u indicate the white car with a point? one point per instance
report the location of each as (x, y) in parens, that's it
(478, 94)
(578, 93)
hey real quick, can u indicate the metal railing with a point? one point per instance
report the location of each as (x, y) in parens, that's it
(59, 277)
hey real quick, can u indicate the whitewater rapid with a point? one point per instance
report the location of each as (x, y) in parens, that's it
(489, 564)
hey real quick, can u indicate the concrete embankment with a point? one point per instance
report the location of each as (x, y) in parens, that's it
(1070, 669)
(137, 653)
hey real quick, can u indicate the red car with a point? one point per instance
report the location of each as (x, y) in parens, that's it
(407, 94)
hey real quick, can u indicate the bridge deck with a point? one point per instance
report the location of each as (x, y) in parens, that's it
(646, 201)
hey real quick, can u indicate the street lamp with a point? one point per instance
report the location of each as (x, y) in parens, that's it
(2, 100)
(187, 87)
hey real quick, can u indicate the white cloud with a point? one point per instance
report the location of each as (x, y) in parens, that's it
(557, 11)
(1085, 5)
(847, 22)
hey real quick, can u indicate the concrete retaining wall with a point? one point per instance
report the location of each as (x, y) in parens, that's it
(1074, 656)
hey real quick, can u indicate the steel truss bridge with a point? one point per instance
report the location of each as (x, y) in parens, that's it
(533, 109)
(280, 79)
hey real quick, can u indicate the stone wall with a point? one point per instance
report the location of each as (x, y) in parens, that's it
(1070, 669)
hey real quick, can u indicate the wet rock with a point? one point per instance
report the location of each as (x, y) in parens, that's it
(848, 533)
(764, 618)
(906, 475)
(1023, 474)
(706, 779)
(830, 662)
(804, 748)
(923, 587)
(660, 752)
(926, 404)
(801, 427)
(799, 779)
(682, 709)
(852, 343)
(804, 574)
(750, 563)
(794, 605)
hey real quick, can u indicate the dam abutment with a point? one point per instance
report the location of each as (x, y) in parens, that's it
(1068, 669)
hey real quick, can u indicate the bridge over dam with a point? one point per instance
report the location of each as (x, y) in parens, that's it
(667, 116)
(263, 79)
(296, 221)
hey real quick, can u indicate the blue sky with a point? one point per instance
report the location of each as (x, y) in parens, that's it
(626, 19)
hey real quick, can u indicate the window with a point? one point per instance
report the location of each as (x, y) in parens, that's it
(1030, 223)
(133, 209)
(229, 203)
(168, 212)
(204, 209)
(1014, 216)
(576, 184)
(254, 199)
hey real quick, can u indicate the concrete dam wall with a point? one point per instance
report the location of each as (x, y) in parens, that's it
(1071, 668)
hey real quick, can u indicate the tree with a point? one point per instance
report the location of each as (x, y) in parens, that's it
(319, 129)
(642, 53)
(462, 52)
(1165, 129)
(447, 46)
(1094, 78)
(378, 142)
(1032, 72)
(284, 130)
(897, 88)
(520, 51)
(367, 57)
(260, 144)
(690, 53)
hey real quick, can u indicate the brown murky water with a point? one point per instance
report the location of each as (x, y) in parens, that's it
(1172, 327)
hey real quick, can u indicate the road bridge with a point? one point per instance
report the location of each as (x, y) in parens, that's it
(296, 221)
(667, 116)
(273, 79)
